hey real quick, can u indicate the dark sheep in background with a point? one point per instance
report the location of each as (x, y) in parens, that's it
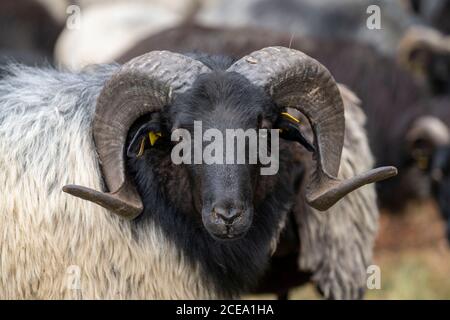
(324, 19)
(345, 21)
(426, 53)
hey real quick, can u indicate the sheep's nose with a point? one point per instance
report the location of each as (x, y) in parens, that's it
(227, 214)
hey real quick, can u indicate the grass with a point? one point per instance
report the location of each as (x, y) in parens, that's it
(414, 274)
(413, 256)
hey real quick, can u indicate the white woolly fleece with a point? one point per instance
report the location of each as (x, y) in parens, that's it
(45, 143)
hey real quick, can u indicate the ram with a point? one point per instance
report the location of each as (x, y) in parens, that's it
(196, 231)
(394, 102)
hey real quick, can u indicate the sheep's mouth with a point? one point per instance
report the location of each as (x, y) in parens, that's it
(228, 235)
(223, 231)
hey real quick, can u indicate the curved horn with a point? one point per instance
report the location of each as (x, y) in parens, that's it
(143, 85)
(295, 80)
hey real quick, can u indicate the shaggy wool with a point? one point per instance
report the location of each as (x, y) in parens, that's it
(337, 245)
(55, 246)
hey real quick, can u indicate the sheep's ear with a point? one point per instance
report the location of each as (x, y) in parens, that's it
(145, 137)
(290, 130)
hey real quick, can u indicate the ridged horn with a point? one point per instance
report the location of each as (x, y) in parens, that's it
(143, 85)
(296, 80)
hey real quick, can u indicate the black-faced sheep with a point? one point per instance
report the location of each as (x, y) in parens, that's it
(426, 53)
(392, 100)
(90, 129)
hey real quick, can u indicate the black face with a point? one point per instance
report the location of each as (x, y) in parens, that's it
(224, 195)
(225, 191)
(440, 174)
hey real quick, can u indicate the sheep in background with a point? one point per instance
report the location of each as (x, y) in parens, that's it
(426, 53)
(53, 125)
(431, 140)
(324, 19)
(108, 28)
(346, 21)
(105, 34)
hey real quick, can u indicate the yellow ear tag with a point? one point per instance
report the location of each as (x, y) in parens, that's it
(154, 136)
(287, 115)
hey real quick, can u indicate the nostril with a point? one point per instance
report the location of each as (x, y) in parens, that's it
(227, 214)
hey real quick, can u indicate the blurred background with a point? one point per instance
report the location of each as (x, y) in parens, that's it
(395, 55)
